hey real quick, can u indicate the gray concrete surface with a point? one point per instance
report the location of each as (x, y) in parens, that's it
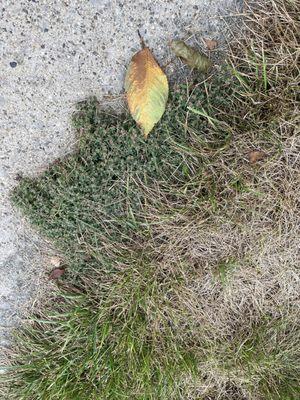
(54, 53)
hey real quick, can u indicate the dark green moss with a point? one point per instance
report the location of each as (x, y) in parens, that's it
(77, 196)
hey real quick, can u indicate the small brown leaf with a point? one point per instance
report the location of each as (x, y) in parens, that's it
(55, 261)
(56, 273)
(210, 44)
(256, 155)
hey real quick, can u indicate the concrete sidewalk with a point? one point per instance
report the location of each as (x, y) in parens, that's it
(55, 53)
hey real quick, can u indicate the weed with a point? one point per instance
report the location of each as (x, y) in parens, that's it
(94, 191)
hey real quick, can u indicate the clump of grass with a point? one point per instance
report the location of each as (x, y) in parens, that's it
(183, 254)
(112, 340)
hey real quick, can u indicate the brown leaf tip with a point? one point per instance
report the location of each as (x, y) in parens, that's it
(56, 273)
(256, 155)
(210, 44)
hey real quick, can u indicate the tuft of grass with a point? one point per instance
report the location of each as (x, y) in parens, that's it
(183, 278)
(106, 342)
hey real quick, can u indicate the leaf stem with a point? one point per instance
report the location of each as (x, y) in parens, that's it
(141, 39)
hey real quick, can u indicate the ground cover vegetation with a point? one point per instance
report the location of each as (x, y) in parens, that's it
(180, 250)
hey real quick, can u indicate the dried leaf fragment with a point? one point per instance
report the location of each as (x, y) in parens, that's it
(55, 261)
(56, 273)
(191, 56)
(256, 155)
(210, 44)
(147, 90)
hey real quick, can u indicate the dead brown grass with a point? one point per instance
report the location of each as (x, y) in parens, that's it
(235, 231)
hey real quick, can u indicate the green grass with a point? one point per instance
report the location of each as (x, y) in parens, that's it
(107, 349)
(180, 255)
(90, 204)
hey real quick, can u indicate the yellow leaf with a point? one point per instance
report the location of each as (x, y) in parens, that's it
(192, 57)
(147, 90)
